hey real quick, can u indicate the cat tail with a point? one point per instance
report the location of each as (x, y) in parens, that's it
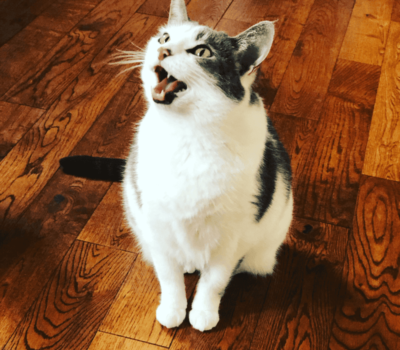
(95, 168)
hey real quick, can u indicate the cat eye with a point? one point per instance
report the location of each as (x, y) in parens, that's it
(201, 51)
(164, 38)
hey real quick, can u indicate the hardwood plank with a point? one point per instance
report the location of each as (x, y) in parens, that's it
(17, 14)
(71, 307)
(231, 27)
(158, 8)
(34, 159)
(329, 154)
(369, 313)
(107, 226)
(15, 121)
(306, 80)
(367, 32)
(207, 12)
(133, 313)
(105, 341)
(63, 15)
(23, 52)
(382, 155)
(291, 18)
(239, 312)
(396, 11)
(32, 245)
(300, 302)
(42, 85)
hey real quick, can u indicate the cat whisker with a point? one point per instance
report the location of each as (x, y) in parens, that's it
(137, 46)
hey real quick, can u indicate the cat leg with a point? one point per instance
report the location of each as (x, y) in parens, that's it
(213, 281)
(172, 309)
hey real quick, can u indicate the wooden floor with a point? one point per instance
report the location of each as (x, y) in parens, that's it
(71, 276)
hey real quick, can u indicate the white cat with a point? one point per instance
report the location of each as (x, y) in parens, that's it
(207, 185)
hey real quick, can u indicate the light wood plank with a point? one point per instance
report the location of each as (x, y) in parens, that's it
(105, 341)
(15, 121)
(71, 307)
(367, 32)
(368, 316)
(383, 150)
(329, 154)
(133, 314)
(107, 226)
(306, 80)
(301, 300)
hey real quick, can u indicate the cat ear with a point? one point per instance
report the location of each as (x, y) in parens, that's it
(254, 45)
(177, 12)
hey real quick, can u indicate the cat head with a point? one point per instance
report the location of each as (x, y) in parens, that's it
(188, 66)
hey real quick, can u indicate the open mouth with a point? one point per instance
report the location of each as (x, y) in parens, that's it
(167, 87)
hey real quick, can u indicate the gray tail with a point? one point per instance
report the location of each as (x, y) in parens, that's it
(95, 168)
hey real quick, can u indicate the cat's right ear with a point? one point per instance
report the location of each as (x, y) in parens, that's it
(254, 45)
(177, 12)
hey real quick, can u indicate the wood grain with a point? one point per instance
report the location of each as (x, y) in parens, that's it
(23, 52)
(15, 121)
(158, 8)
(41, 85)
(291, 18)
(369, 313)
(301, 300)
(107, 226)
(17, 14)
(105, 341)
(207, 12)
(35, 158)
(32, 245)
(133, 314)
(396, 11)
(62, 16)
(74, 302)
(239, 312)
(367, 33)
(306, 80)
(329, 154)
(382, 156)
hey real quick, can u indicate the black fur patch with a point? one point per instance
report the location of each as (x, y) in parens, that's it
(223, 66)
(95, 168)
(275, 160)
(254, 99)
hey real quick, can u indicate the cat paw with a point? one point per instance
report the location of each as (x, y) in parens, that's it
(203, 320)
(170, 317)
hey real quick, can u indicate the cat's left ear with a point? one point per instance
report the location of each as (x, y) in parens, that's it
(177, 12)
(254, 45)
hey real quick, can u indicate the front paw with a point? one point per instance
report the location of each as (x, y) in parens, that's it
(170, 317)
(203, 320)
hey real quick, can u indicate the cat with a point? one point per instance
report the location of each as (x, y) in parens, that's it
(207, 184)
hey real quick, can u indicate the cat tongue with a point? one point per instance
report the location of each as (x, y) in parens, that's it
(163, 87)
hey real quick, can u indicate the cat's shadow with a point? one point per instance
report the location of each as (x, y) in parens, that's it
(303, 279)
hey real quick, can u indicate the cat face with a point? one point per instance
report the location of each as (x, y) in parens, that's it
(189, 66)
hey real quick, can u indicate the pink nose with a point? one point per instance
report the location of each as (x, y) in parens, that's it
(163, 53)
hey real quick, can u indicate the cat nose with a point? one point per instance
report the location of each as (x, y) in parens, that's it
(163, 53)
